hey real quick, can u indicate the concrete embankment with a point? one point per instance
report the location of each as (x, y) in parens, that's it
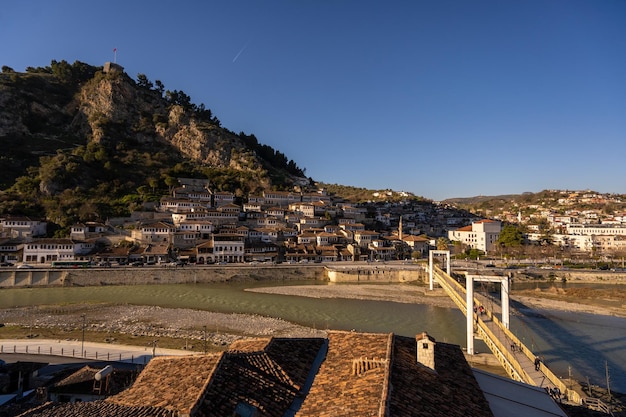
(352, 273)
(154, 275)
(570, 275)
(42, 277)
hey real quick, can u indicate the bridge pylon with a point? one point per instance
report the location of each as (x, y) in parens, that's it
(469, 303)
(430, 263)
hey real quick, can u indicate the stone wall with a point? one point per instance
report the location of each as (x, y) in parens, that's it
(362, 273)
(570, 275)
(138, 275)
(376, 274)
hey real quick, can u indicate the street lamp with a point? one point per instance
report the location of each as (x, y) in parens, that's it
(204, 339)
(82, 344)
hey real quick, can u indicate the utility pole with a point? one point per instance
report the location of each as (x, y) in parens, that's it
(82, 344)
(608, 386)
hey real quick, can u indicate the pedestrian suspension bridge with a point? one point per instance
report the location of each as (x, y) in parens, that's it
(518, 360)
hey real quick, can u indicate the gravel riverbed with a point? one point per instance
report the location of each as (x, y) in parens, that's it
(223, 329)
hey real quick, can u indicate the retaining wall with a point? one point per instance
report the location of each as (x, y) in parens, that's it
(154, 275)
(376, 274)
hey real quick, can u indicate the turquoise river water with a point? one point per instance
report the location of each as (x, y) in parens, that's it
(583, 344)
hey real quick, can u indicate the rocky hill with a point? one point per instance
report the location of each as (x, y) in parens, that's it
(80, 141)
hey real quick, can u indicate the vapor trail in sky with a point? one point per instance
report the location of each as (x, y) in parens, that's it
(241, 51)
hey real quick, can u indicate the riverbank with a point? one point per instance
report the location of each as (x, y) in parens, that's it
(107, 322)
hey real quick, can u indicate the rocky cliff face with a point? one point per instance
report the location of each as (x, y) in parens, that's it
(40, 114)
(112, 103)
(79, 144)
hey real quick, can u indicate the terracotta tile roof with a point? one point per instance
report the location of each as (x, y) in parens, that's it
(82, 381)
(86, 373)
(173, 383)
(352, 380)
(378, 375)
(268, 380)
(96, 408)
(249, 345)
(450, 391)
(361, 375)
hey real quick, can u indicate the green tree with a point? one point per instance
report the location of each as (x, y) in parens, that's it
(159, 86)
(153, 183)
(510, 236)
(442, 243)
(144, 82)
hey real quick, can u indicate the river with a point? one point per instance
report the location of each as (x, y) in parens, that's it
(586, 344)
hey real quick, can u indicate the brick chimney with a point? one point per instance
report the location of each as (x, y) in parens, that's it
(426, 350)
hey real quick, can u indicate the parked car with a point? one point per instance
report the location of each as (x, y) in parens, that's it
(137, 263)
(24, 266)
(5, 264)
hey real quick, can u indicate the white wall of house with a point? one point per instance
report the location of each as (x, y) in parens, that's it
(49, 250)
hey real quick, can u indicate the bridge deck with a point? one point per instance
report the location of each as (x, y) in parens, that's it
(514, 356)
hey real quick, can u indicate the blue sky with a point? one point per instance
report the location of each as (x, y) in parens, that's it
(440, 98)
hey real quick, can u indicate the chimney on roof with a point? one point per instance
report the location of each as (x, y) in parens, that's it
(426, 350)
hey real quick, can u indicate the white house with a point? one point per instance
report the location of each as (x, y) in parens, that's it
(10, 250)
(157, 232)
(84, 231)
(22, 227)
(228, 247)
(49, 250)
(365, 237)
(481, 235)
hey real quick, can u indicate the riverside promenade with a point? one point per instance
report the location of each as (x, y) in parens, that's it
(79, 350)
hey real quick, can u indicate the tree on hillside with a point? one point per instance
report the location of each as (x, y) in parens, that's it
(144, 82)
(545, 232)
(510, 236)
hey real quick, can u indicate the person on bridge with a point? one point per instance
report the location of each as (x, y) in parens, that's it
(537, 363)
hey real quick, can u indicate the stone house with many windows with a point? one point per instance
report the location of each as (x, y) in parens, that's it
(22, 227)
(50, 250)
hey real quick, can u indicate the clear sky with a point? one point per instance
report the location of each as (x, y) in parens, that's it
(440, 98)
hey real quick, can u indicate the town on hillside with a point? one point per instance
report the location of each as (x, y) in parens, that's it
(195, 225)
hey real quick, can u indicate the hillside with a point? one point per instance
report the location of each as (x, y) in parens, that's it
(85, 143)
(531, 205)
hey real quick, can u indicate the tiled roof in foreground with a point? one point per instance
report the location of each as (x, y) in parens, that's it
(378, 375)
(352, 380)
(269, 379)
(96, 409)
(418, 391)
(176, 383)
(347, 374)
